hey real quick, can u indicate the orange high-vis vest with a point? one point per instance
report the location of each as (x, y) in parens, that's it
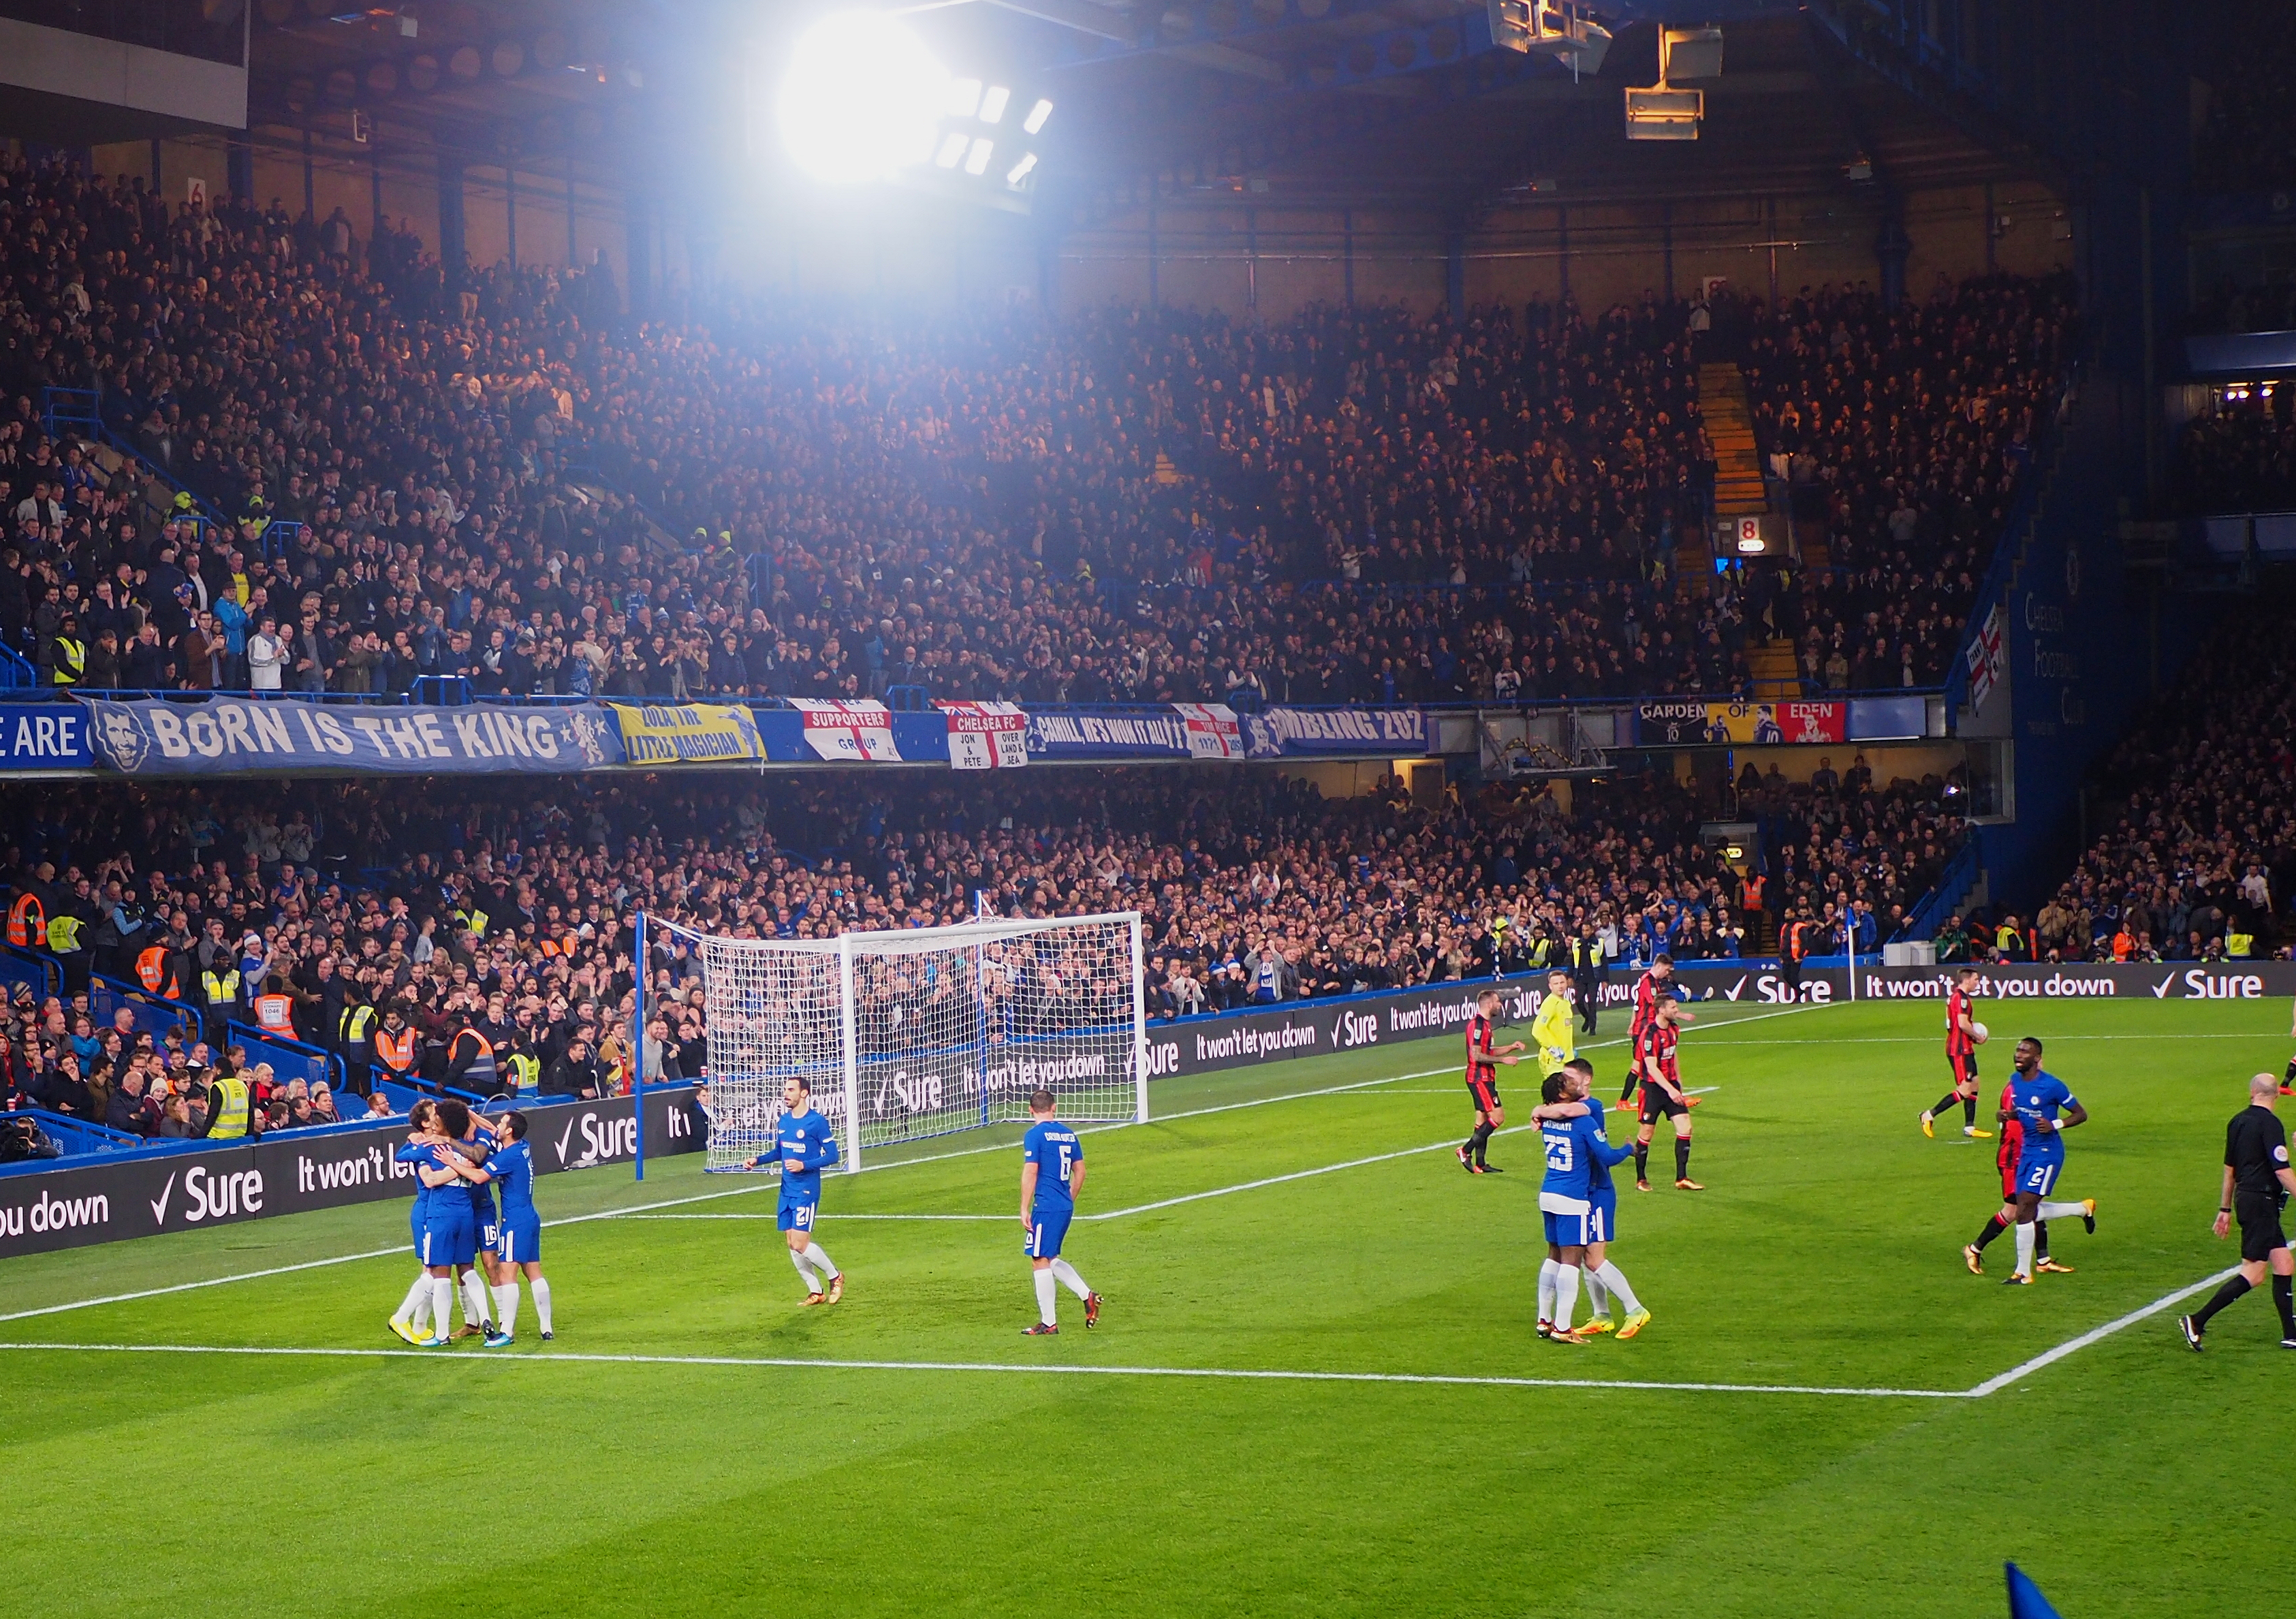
(275, 1015)
(151, 971)
(396, 1050)
(28, 922)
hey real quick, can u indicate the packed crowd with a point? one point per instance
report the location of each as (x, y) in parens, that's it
(2241, 457)
(1909, 430)
(474, 938)
(1352, 505)
(2244, 143)
(2200, 860)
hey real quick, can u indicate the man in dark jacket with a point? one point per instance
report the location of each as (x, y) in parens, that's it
(574, 1075)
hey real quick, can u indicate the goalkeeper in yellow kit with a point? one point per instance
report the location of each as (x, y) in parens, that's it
(1552, 1029)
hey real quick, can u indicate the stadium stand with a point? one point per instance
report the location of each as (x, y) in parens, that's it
(2199, 860)
(1361, 505)
(466, 906)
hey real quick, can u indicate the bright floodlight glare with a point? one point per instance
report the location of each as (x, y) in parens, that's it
(862, 98)
(964, 97)
(992, 106)
(977, 163)
(1037, 114)
(1021, 169)
(951, 152)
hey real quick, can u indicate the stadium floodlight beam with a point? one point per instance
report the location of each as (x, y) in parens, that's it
(992, 106)
(861, 100)
(1019, 170)
(977, 164)
(1035, 122)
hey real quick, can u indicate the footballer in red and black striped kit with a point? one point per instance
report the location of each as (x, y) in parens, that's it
(1652, 988)
(1484, 1056)
(1964, 1034)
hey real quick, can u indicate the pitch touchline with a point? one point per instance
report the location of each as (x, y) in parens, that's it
(2095, 1334)
(791, 1363)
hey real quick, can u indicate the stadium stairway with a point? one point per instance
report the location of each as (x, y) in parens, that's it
(1739, 491)
(1776, 672)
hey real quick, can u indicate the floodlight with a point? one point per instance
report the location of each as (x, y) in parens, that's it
(1021, 169)
(1037, 114)
(964, 97)
(862, 98)
(951, 152)
(977, 162)
(992, 106)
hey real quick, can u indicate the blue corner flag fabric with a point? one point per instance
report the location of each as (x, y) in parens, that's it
(2025, 1598)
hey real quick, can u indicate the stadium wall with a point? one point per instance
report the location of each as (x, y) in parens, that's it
(1246, 257)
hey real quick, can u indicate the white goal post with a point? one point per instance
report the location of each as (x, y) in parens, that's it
(910, 1032)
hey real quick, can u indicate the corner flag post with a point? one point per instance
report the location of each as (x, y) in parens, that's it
(638, 1039)
(1139, 1031)
(852, 1055)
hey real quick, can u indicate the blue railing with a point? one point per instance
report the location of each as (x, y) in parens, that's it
(81, 410)
(32, 968)
(153, 1013)
(291, 1059)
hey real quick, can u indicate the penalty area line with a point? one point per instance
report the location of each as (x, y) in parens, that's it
(794, 1363)
(2097, 1334)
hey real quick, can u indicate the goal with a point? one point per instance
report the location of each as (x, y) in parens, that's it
(908, 1033)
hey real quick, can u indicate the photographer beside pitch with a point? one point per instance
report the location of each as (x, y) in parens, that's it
(2257, 1182)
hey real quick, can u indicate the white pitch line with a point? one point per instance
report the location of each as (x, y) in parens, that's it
(790, 1364)
(2095, 1334)
(825, 1218)
(153, 1293)
(1328, 1169)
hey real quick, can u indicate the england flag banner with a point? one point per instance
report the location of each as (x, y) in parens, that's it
(986, 736)
(1988, 658)
(858, 733)
(1213, 732)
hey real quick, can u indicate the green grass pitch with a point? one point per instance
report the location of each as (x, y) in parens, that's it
(2129, 1477)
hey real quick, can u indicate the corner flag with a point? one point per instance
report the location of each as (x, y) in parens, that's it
(2025, 1598)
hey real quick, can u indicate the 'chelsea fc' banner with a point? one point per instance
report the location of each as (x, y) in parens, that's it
(227, 734)
(986, 736)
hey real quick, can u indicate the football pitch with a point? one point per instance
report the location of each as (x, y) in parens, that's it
(1317, 1388)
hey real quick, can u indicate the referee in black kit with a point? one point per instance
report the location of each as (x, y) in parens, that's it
(2257, 1182)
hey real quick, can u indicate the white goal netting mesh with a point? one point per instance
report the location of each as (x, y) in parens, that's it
(916, 1033)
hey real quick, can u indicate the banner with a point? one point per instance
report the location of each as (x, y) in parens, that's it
(858, 733)
(1765, 984)
(1373, 733)
(1757, 723)
(687, 733)
(224, 734)
(1150, 731)
(45, 736)
(1988, 658)
(1212, 731)
(986, 736)
(105, 1197)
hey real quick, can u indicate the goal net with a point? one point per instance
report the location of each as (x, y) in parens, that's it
(907, 1033)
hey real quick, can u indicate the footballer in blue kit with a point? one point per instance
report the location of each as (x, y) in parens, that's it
(410, 1321)
(2044, 1107)
(1052, 1174)
(518, 1243)
(803, 1147)
(1578, 1204)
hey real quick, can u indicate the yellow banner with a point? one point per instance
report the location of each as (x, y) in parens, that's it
(691, 733)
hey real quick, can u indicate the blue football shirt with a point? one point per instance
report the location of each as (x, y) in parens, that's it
(2036, 1098)
(805, 1138)
(1055, 1150)
(512, 1168)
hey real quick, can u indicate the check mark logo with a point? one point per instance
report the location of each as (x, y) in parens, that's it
(564, 1136)
(160, 1203)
